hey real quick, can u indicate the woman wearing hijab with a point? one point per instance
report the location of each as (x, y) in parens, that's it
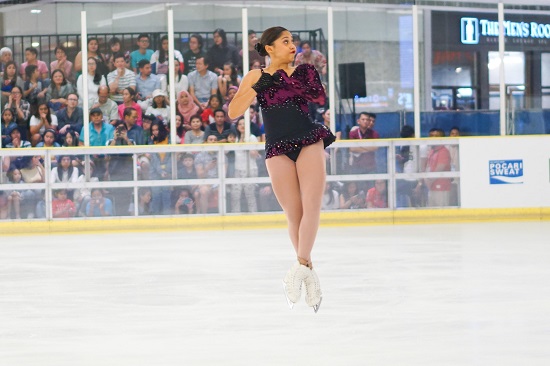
(186, 106)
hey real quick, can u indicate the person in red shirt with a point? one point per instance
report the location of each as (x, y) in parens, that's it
(363, 159)
(62, 207)
(439, 160)
(376, 196)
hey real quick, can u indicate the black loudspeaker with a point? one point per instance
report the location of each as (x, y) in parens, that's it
(352, 80)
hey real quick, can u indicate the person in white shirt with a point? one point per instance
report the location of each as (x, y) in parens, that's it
(95, 80)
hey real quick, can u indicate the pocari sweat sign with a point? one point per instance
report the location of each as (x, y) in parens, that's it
(505, 171)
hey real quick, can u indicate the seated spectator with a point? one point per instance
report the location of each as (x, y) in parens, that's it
(128, 101)
(95, 80)
(31, 58)
(32, 170)
(146, 84)
(144, 202)
(142, 53)
(195, 51)
(377, 196)
(186, 168)
(9, 80)
(351, 197)
(246, 166)
(180, 129)
(161, 168)
(20, 202)
(135, 132)
(108, 107)
(148, 120)
(42, 119)
(70, 139)
(99, 205)
(195, 135)
(93, 51)
(363, 159)
(7, 124)
(207, 114)
(120, 79)
(49, 138)
(70, 118)
(62, 206)
(220, 128)
(61, 63)
(20, 107)
(253, 55)
(228, 78)
(312, 57)
(58, 91)
(33, 90)
(182, 82)
(159, 107)
(185, 106)
(6, 55)
(202, 83)
(159, 59)
(16, 142)
(83, 195)
(330, 198)
(100, 132)
(115, 46)
(184, 203)
(206, 165)
(64, 171)
(222, 52)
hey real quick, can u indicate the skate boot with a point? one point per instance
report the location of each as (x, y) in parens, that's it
(292, 282)
(313, 290)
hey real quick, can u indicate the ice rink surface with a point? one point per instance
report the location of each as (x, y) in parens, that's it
(460, 294)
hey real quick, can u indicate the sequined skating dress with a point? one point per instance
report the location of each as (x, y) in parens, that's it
(284, 101)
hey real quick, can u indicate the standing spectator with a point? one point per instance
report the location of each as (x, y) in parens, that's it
(142, 53)
(58, 91)
(62, 63)
(9, 80)
(185, 106)
(195, 135)
(31, 57)
(108, 107)
(8, 122)
(312, 57)
(6, 55)
(93, 51)
(159, 59)
(95, 80)
(229, 78)
(221, 52)
(363, 159)
(34, 90)
(21, 108)
(62, 206)
(377, 196)
(194, 52)
(70, 118)
(245, 167)
(120, 79)
(98, 205)
(128, 101)
(439, 160)
(220, 128)
(202, 82)
(114, 48)
(160, 108)
(146, 84)
(42, 119)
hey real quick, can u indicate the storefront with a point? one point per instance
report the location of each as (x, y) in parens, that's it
(465, 60)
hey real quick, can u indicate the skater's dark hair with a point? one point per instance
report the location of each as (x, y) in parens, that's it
(269, 36)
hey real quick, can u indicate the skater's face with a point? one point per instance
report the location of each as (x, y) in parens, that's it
(283, 48)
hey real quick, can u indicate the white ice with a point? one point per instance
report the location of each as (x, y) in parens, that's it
(461, 294)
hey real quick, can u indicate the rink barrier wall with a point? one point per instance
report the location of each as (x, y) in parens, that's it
(270, 221)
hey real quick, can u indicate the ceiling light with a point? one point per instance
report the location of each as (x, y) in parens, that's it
(35, 44)
(36, 11)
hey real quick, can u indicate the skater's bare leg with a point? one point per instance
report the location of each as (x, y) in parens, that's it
(284, 180)
(311, 176)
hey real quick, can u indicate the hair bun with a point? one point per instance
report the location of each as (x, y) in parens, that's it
(258, 47)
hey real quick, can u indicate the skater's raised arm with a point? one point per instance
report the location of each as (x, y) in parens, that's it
(245, 95)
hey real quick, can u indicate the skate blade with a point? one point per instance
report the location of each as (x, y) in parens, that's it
(316, 307)
(290, 303)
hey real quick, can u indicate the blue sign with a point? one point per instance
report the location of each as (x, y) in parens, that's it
(505, 171)
(469, 30)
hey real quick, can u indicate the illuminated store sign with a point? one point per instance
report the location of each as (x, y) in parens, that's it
(472, 29)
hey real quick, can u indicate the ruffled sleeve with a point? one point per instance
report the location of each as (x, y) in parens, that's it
(305, 81)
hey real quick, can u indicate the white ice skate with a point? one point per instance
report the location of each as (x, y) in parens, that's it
(292, 283)
(313, 290)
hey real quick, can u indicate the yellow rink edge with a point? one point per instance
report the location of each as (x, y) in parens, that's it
(266, 221)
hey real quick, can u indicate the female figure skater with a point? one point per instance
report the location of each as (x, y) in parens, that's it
(294, 149)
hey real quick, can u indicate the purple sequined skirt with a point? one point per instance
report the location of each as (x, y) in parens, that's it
(283, 146)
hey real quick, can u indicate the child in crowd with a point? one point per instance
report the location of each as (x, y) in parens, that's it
(33, 91)
(376, 196)
(195, 135)
(208, 114)
(98, 205)
(14, 198)
(65, 171)
(184, 203)
(144, 202)
(62, 206)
